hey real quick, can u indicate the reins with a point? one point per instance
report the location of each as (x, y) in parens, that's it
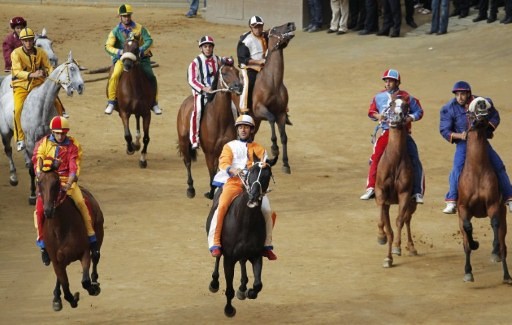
(248, 187)
(68, 79)
(225, 86)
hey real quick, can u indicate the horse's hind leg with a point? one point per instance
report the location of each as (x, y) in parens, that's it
(410, 244)
(257, 265)
(57, 301)
(92, 287)
(62, 278)
(214, 284)
(502, 233)
(241, 293)
(496, 251)
(229, 273)
(143, 163)
(13, 177)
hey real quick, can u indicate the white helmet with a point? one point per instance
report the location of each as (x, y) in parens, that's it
(244, 120)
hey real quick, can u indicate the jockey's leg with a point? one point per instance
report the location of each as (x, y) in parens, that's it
(269, 225)
(245, 91)
(378, 151)
(412, 149)
(19, 98)
(112, 86)
(76, 194)
(252, 79)
(195, 120)
(38, 223)
(230, 191)
(458, 163)
(501, 172)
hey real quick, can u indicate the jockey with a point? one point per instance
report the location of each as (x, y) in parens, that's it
(378, 107)
(200, 75)
(453, 125)
(12, 40)
(238, 155)
(64, 153)
(30, 67)
(251, 52)
(114, 47)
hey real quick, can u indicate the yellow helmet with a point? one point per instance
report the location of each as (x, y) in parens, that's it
(244, 120)
(125, 10)
(27, 33)
(59, 124)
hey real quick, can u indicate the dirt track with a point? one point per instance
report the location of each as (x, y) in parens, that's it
(155, 266)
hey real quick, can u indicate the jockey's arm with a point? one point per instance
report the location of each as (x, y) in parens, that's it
(146, 40)
(226, 159)
(110, 46)
(17, 69)
(416, 111)
(193, 77)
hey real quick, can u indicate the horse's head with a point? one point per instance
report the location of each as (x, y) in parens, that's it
(397, 113)
(131, 52)
(280, 36)
(68, 76)
(478, 111)
(258, 180)
(43, 42)
(49, 187)
(228, 77)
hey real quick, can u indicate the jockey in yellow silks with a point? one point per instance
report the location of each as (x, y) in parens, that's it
(30, 67)
(114, 47)
(64, 149)
(236, 156)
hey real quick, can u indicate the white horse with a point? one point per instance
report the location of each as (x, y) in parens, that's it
(38, 110)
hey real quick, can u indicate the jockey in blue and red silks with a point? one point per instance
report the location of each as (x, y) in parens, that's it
(376, 112)
(453, 126)
(64, 149)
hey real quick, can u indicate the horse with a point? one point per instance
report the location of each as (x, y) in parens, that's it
(270, 96)
(65, 236)
(135, 95)
(479, 192)
(217, 125)
(394, 182)
(243, 235)
(38, 110)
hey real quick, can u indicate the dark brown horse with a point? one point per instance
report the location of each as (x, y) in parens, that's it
(479, 192)
(217, 125)
(135, 95)
(270, 96)
(394, 182)
(243, 235)
(66, 237)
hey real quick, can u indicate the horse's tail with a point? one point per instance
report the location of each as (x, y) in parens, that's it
(191, 152)
(288, 122)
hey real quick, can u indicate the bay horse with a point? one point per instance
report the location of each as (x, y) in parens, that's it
(394, 182)
(135, 95)
(270, 96)
(38, 110)
(65, 236)
(479, 192)
(243, 235)
(217, 124)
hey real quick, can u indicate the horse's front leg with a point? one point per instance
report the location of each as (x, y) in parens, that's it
(57, 301)
(241, 293)
(469, 244)
(143, 163)
(214, 284)
(229, 273)
(13, 177)
(212, 163)
(496, 251)
(257, 265)
(281, 124)
(62, 279)
(400, 220)
(130, 150)
(92, 288)
(385, 234)
(32, 197)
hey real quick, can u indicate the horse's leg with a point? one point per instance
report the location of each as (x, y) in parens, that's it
(136, 145)
(257, 265)
(57, 301)
(32, 197)
(469, 243)
(281, 124)
(13, 177)
(214, 284)
(496, 249)
(229, 273)
(212, 163)
(62, 278)
(502, 233)
(94, 274)
(92, 288)
(145, 125)
(385, 233)
(400, 220)
(241, 292)
(410, 243)
(127, 135)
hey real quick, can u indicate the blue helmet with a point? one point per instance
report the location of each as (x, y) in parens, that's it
(461, 86)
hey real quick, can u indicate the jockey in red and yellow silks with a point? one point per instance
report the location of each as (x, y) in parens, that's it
(236, 156)
(65, 149)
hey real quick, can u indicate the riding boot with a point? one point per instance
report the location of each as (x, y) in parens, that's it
(45, 257)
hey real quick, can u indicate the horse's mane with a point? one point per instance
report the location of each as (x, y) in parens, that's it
(215, 84)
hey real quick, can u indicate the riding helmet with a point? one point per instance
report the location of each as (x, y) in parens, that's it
(206, 40)
(391, 74)
(125, 10)
(244, 120)
(255, 20)
(18, 21)
(461, 86)
(59, 124)
(27, 33)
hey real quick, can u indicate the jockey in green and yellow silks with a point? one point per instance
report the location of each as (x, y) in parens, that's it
(114, 47)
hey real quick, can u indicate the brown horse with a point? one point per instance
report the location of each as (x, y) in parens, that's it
(135, 95)
(217, 125)
(479, 192)
(66, 238)
(394, 182)
(270, 96)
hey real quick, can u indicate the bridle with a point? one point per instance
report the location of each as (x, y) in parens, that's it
(64, 84)
(248, 187)
(61, 196)
(224, 86)
(280, 37)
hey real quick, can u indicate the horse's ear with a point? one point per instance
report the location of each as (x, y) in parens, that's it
(272, 161)
(43, 33)
(255, 158)
(70, 57)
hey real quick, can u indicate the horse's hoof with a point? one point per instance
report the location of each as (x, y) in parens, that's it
(382, 240)
(208, 195)
(286, 169)
(94, 290)
(76, 298)
(143, 163)
(495, 258)
(57, 304)
(32, 200)
(13, 181)
(474, 246)
(128, 152)
(468, 277)
(191, 193)
(229, 311)
(213, 287)
(252, 294)
(507, 280)
(387, 263)
(241, 295)
(396, 251)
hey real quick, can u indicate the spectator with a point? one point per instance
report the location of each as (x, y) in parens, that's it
(439, 17)
(315, 16)
(482, 11)
(340, 11)
(371, 22)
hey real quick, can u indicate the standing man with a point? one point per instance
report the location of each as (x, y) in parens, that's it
(114, 47)
(251, 51)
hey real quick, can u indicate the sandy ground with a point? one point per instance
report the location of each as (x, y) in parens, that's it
(155, 266)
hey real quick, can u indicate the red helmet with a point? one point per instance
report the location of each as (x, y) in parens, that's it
(391, 74)
(18, 21)
(59, 124)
